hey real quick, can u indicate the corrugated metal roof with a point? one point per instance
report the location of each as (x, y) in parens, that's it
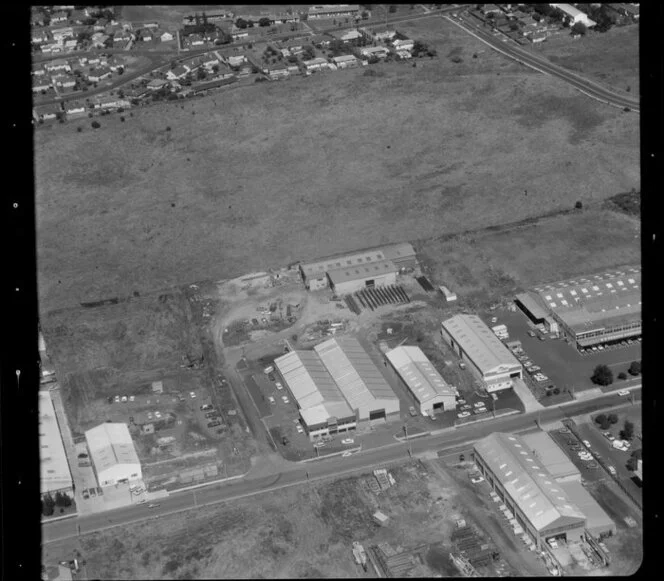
(341, 261)
(312, 386)
(110, 444)
(54, 467)
(480, 343)
(597, 520)
(357, 376)
(399, 251)
(359, 271)
(531, 486)
(546, 451)
(419, 374)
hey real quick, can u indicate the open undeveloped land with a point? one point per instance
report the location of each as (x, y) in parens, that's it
(610, 58)
(296, 532)
(264, 175)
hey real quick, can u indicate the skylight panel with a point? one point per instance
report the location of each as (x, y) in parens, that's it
(559, 295)
(548, 297)
(573, 293)
(552, 305)
(630, 280)
(620, 283)
(609, 285)
(584, 291)
(595, 287)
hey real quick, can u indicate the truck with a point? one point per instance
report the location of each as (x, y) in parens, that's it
(360, 555)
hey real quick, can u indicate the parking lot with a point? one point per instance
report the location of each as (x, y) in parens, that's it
(559, 361)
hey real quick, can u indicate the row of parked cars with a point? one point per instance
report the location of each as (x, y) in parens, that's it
(597, 348)
(479, 407)
(531, 368)
(211, 414)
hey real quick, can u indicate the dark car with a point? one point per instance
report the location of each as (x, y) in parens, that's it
(214, 424)
(284, 441)
(271, 377)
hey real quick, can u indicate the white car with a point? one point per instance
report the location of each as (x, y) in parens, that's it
(479, 404)
(348, 441)
(552, 543)
(346, 454)
(623, 392)
(461, 401)
(284, 399)
(612, 470)
(192, 394)
(149, 415)
(157, 415)
(116, 399)
(494, 319)
(299, 429)
(586, 443)
(142, 501)
(279, 386)
(123, 399)
(271, 400)
(132, 397)
(463, 415)
(478, 479)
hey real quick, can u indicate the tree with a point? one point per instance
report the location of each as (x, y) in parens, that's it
(461, 458)
(95, 125)
(392, 9)
(627, 433)
(602, 375)
(634, 368)
(579, 28)
(632, 463)
(622, 376)
(365, 15)
(264, 22)
(579, 205)
(613, 418)
(241, 23)
(601, 418)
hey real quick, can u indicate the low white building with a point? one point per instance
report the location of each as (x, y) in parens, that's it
(422, 379)
(316, 64)
(113, 454)
(574, 15)
(377, 51)
(55, 475)
(347, 280)
(166, 37)
(405, 44)
(345, 61)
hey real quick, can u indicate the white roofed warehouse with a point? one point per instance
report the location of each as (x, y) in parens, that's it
(345, 281)
(113, 454)
(486, 355)
(527, 488)
(55, 475)
(422, 379)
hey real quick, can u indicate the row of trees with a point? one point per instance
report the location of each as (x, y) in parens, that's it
(602, 375)
(605, 421)
(49, 503)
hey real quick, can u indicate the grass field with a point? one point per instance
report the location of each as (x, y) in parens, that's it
(268, 174)
(486, 267)
(610, 58)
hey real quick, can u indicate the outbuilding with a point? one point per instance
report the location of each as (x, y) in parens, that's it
(345, 281)
(113, 454)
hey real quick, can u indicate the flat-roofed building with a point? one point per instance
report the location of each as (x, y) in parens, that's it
(55, 475)
(345, 61)
(422, 379)
(361, 382)
(592, 309)
(546, 451)
(113, 454)
(344, 281)
(492, 363)
(527, 488)
(333, 10)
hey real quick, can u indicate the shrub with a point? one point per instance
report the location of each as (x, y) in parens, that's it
(634, 368)
(627, 433)
(122, 119)
(556, 391)
(79, 129)
(622, 375)
(601, 418)
(168, 128)
(95, 125)
(613, 418)
(602, 375)
(578, 205)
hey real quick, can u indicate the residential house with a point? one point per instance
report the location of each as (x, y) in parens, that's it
(110, 103)
(404, 54)
(157, 84)
(210, 60)
(239, 35)
(63, 81)
(347, 35)
(377, 51)
(60, 34)
(196, 40)
(574, 15)
(321, 40)
(57, 65)
(291, 47)
(99, 39)
(51, 48)
(166, 37)
(99, 74)
(327, 11)
(178, 72)
(346, 61)
(490, 9)
(277, 72)
(46, 112)
(379, 34)
(293, 69)
(38, 72)
(146, 36)
(236, 60)
(58, 17)
(114, 63)
(74, 107)
(71, 45)
(316, 64)
(39, 36)
(136, 92)
(40, 84)
(151, 25)
(538, 37)
(406, 44)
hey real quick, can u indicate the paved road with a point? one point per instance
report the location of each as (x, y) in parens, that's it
(451, 441)
(541, 64)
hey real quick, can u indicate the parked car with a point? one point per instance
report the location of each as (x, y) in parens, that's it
(479, 410)
(623, 392)
(153, 505)
(132, 398)
(541, 337)
(299, 429)
(346, 454)
(278, 385)
(479, 404)
(347, 441)
(466, 406)
(284, 399)
(149, 415)
(271, 400)
(586, 443)
(531, 333)
(192, 394)
(123, 399)
(461, 401)
(412, 411)
(612, 470)
(116, 399)
(206, 407)
(477, 479)
(463, 415)
(157, 415)
(534, 368)
(462, 365)
(494, 319)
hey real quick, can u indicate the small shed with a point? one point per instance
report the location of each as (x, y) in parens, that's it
(157, 387)
(380, 518)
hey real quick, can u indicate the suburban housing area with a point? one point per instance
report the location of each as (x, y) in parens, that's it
(283, 329)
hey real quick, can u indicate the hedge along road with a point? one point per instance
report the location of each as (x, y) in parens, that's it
(451, 440)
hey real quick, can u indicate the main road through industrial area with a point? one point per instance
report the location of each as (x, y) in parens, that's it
(451, 441)
(511, 49)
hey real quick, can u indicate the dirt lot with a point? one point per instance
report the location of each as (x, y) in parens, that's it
(485, 267)
(154, 208)
(298, 532)
(610, 58)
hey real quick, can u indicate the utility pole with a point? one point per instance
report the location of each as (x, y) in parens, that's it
(410, 449)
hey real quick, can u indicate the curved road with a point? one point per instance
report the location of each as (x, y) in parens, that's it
(452, 441)
(545, 66)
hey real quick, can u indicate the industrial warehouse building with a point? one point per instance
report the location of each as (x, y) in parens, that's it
(492, 363)
(337, 387)
(357, 270)
(590, 310)
(428, 387)
(541, 487)
(54, 467)
(527, 488)
(113, 454)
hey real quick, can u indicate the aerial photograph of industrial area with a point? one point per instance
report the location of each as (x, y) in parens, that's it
(347, 290)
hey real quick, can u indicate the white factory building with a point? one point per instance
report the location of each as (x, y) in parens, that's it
(492, 363)
(422, 379)
(346, 273)
(337, 387)
(574, 15)
(55, 475)
(113, 454)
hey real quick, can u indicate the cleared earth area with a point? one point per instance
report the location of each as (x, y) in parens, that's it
(317, 165)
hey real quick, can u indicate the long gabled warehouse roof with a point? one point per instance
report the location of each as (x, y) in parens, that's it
(480, 343)
(110, 444)
(419, 373)
(531, 486)
(357, 376)
(359, 272)
(312, 386)
(54, 467)
(550, 455)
